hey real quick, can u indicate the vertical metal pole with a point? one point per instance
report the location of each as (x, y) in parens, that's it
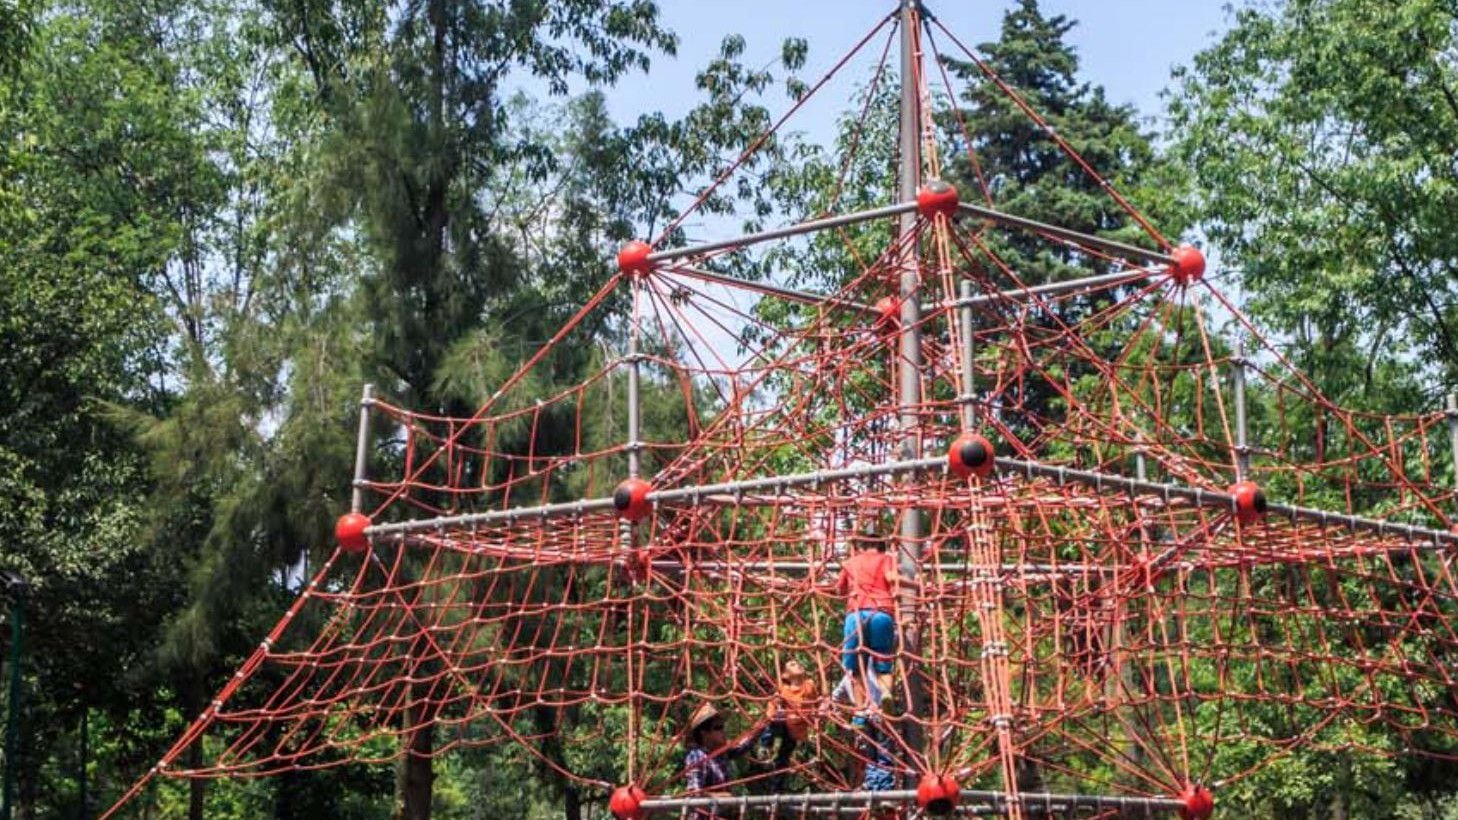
(908, 398)
(1242, 449)
(12, 719)
(1453, 433)
(362, 449)
(634, 445)
(969, 352)
(625, 528)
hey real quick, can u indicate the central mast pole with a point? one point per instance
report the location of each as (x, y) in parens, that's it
(908, 398)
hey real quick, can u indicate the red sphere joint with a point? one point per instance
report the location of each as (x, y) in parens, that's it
(633, 258)
(969, 455)
(1199, 804)
(936, 198)
(937, 794)
(627, 803)
(1188, 264)
(349, 531)
(1249, 501)
(630, 499)
(888, 313)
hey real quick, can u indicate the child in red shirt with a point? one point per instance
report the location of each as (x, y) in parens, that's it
(869, 580)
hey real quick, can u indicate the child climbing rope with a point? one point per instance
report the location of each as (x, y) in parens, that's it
(869, 582)
(789, 719)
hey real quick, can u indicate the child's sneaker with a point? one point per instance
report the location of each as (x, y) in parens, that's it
(885, 682)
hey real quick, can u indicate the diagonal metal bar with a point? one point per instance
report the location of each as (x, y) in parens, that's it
(1052, 288)
(767, 288)
(811, 226)
(1023, 223)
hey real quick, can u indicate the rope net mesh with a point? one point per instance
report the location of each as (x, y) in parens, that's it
(1071, 631)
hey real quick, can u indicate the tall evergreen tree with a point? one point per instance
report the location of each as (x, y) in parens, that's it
(1026, 172)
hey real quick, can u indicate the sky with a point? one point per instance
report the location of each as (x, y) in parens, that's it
(1127, 46)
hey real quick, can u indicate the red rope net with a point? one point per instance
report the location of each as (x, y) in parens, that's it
(1092, 617)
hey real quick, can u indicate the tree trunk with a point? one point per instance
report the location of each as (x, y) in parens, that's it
(546, 721)
(417, 778)
(572, 803)
(196, 787)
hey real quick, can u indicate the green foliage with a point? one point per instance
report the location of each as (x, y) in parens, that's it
(1321, 134)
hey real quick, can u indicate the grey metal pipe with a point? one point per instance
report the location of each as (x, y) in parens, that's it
(804, 297)
(797, 567)
(361, 449)
(969, 354)
(908, 364)
(1453, 433)
(871, 799)
(781, 233)
(1242, 447)
(634, 371)
(1051, 288)
(1033, 225)
(1204, 498)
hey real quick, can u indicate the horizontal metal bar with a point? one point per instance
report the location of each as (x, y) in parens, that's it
(562, 510)
(797, 567)
(870, 799)
(1032, 469)
(1206, 498)
(781, 483)
(780, 233)
(771, 289)
(1023, 223)
(1051, 288)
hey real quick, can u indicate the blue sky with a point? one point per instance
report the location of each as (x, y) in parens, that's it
(1127, 46)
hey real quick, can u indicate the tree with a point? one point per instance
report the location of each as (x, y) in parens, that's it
(99, 167)
(1321, 136)
(1027, 173)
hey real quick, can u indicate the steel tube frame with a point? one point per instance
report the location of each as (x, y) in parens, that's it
(1031, 469)
(907, 210)
(1453, 434)
(1023, 223)
(969, 372)
(1242, 447)
(361, 449)
(796, 567)
(781, 233)
(634, 361)
(1204, 498)
(803, 297)
(1051, 288)
(871, 799)
(908, 358)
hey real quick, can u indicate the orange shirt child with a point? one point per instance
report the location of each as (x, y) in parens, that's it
(798, 696)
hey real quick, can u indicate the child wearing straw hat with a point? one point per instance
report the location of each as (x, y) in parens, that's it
(706, 765)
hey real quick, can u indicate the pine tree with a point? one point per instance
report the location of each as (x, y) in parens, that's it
(1026, 172)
